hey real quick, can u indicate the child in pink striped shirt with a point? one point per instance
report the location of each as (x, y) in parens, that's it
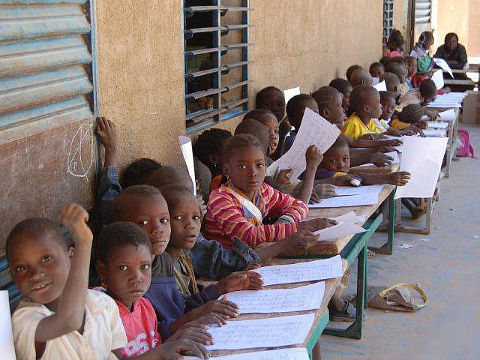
(246, 207)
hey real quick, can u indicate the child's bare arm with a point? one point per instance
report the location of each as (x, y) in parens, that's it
(314, 157)
(70, 312)
(297, 241)
(107, 132)
(397, 178)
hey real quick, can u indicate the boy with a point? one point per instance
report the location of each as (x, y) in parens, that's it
(391, 81)
(377, 70)
(350, 71)
(361, 77)
(412, 70)
(402, 73)
(345, 88)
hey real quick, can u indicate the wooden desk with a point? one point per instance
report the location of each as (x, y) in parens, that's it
(321, 314)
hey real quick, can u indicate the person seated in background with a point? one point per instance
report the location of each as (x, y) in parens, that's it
(410, 118)
(392, 82)
(452, 52)
(425, 94)
(412, 70)
(376, 70)
(420, 52)
(402, 73)
(350, 71)
(345, 87)
(395, 44)
(361, 77)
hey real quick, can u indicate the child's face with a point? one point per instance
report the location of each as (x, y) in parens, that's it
(377, 71)
(39, 266)
(152, 215)
(246, 169)
(411, 67)
(337, 159)
(185, 222)
(275, 102)
(336, 113)
(429, 98)
(271, 123)
(346, 98)
(373, 107)
(388, 107)
(127, 273)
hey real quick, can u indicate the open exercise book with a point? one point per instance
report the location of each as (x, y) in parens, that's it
(282, 354)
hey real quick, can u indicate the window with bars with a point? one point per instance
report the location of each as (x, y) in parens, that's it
(216, 61)
(423, 11)
(387, 18)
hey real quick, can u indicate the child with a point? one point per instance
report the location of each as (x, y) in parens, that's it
(185, 223)
(377, 70)
(401, 71)
(208, 150)
(410, 117)
(336, 164)
(238, 209)
(59, 318)
(350, 71)
(345, 87)
(391, 81)
(361, 77)
(395, 43)
(138, 172)
(421, 52)
(412, 70)
(268, 119)
(426, 93)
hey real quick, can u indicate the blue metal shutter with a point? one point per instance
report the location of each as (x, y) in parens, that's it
(45, 61)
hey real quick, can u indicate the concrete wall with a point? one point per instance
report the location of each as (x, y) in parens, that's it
(461, 17)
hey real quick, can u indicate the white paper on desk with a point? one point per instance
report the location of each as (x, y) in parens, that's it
(290, 93)
(302, 271)
(314, 130)
(442, 64)
(187, 152)
(358, 190)
(345, 201)
(381, 86)
(7, 348)
(422, 158)
(350, 217)
(435, 132)
(437, 78)
(437, 124)
(338, 231)
(281, 354)
(260, 333)
(302, 298)
(448, 115)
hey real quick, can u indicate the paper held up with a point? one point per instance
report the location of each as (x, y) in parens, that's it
(442, 64)
(7, 347)
(187, 152)
(314, 130)
(338, 231)
(381, 86)
(280, 354)
(437, 78)
(290, 93)
(302, 298)
(422, 158)
(302, 272)
(261, 333)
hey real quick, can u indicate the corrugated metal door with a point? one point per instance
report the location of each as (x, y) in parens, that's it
(423, 17)
(45, 60)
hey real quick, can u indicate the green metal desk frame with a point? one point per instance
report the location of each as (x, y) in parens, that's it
(317, 333)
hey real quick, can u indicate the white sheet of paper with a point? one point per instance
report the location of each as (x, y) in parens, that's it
(338, 231)
(344, 201)
(281, 354)
(435, 132)
(381, 86)
(315, 130)
(448, 115)
(7, 347)
(350, 217)
(187, 152)
(272, 332)
(422, 158)
(437, 124)
(437, 78)
(450, 100)
(302, 298)
(442, 64)
(358, 190)
(290, 93)
(302, 272)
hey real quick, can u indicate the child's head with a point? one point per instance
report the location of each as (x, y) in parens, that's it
(411, 113)
(271, 98)
(208, 148)
(426, 40)
(388, 100)
(361, 77)
(244, 164)
(377, 69)
(395, 41)
(365, 102)
(398, 69)
(171, 175)
(39, 259)
(267, 118)
(138, 172)
(391, 81)
(345, 87)
(351, 70)
(257, 129)
(330, 102)
(337, 157)
(411, 65)
(296, 108)
(428, 91)
(145, 206)
(124, 261)
(185, 216)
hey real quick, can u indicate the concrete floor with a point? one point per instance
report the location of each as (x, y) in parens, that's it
(446, 264)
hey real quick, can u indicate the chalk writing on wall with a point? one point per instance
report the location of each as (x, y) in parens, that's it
(81, 152)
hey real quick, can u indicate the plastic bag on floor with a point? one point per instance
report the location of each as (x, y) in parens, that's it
(400, 297)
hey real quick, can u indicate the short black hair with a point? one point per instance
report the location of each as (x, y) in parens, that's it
(411, 113)
(376, 65)
(427, 88)
(238, 142)
(256, 114)
(295, 105)
(350, 71)
(384, 95)
(119, 234)
(138, 172)
(256, 128)
(340, 142)
(324, 95)
(210, 142)
(391, 81)
(171, 193)
(125, 198)
(262, 93)
(396, 68)
(170, 175)
(340, 84)
(359, 77)
(396, 39)
(360, 96)
(450, 35)
(36, 226)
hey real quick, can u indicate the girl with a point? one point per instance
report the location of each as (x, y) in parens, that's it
(240, 207)
(395, 44)
(421, 53)
(345, 87)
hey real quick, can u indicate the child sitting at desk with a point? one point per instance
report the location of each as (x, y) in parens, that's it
(350, 71)
(401, 71)
(345, 88)
(361, 77)
(410, 118)
(391, 81)
(377, 70)
(388, 101)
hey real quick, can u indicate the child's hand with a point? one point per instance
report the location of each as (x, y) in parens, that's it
(422, 124)
(380, 159)
(107, 132)
(399, 178)
(75, 218)
(385, 149)
(313, 156)
(322, 191)
(226, 309)
(245, 280)
(298, 240)
(173, 349)
(344, 180)
(395, 132)
(194, 331)
(393, 142)
(316, 224)
(252, 267)
(282, 177)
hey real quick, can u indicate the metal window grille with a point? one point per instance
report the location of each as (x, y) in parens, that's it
(388, 25)
(216, 41)
(423, 11)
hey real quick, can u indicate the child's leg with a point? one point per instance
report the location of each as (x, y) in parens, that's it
(316, 355)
